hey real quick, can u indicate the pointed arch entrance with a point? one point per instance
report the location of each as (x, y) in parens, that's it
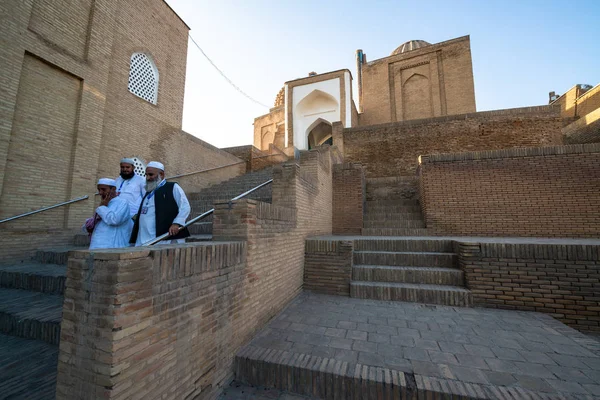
(319, 133)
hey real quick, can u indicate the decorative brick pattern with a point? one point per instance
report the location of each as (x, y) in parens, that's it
(348, 198)
(560, 280)
(543, 192)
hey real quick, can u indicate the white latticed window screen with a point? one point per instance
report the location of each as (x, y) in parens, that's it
(143, 77)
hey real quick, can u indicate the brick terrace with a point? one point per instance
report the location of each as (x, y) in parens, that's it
(425, 349)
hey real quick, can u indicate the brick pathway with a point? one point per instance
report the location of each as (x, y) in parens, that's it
(238, 391)
(486, 348)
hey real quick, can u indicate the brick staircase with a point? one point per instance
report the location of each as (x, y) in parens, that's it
(392, 208)
(413, 270)
(203, 201)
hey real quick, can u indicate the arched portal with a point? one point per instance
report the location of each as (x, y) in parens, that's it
(319, 133)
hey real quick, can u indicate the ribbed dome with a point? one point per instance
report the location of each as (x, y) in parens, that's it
(280, 98)
(410, 45)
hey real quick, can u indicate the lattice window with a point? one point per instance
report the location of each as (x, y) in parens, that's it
(143, 77)
(139, 166)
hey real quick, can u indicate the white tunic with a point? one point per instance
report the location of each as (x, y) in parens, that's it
(114, 229)
(147, 229)
(132, 190)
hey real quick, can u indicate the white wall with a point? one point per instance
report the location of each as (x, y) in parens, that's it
(320, 105)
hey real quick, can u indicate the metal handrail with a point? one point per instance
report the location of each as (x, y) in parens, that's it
(44, 209)
(205, 214)
(204, 170)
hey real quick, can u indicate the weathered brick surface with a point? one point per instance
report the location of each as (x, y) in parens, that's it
(166, 322)
(348, 198)
(560, 280)
(393, 149)
(328, 266)
(544, 192)
(427, 82)
(67, 116)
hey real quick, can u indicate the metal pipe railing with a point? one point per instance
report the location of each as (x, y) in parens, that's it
(204, 170)
(204, 215)
(44, 209)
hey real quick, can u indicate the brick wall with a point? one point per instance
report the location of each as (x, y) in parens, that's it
(265, 127)
(328, 266)
(152, 323)
(166, 322)
(348, 199)
(560, 280)
(543, 192)
(393, 149)
(584, 130)
(204, 178)
(68, 116)
(427, 82)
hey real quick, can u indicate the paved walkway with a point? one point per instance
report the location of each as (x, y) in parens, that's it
(485, 347)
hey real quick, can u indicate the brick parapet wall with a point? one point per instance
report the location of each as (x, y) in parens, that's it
(543, 192)
(328, 266)
(167, 322)
(152, 323)
(560, 280)
(349, 187)
(392, 149)
(584, 130)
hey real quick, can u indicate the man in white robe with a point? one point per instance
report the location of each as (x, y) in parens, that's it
(130, 186)
(111, 225)
(164, 208)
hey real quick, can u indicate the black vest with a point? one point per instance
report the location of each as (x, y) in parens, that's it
(166, 210)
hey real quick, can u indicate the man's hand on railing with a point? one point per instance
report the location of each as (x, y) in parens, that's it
(174, 229)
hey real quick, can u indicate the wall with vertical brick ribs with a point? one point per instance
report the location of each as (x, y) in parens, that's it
(393, 149)
(543, 192)
(328, 266)
(167, 321)
(348, 198)
(560, 280)
(152, 323)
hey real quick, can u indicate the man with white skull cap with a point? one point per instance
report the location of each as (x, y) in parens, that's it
(164, 209)
(111, 225)
(130, 186)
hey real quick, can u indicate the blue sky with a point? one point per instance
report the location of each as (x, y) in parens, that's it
(521, 50)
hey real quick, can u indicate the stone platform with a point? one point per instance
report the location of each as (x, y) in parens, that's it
(338, 347)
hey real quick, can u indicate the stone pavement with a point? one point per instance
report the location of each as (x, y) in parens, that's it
(239, 391)
(487, 349)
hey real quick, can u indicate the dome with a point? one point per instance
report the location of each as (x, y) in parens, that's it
(280, 98)
(410, 45)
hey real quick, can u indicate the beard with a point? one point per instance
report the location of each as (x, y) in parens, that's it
(151, 185)
(127, 176)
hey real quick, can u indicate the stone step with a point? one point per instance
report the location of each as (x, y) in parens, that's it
(385, 244)
(421, 275)
(392, 202)
(198, 238)
(395, 232)
(395, 223)
(58, 255)
(409, 292)
(82, 239)
(31, 315)
(38, 277)
(385, 216)
(200, 228)
(405, 258)
(320, 377)
(27, 369)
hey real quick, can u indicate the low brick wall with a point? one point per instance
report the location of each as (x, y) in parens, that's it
(152, 323)
(560, 280)
(195, 182)
(541, 192)
(348, 198)
(584, 130)
(328, 266)
(392, 149)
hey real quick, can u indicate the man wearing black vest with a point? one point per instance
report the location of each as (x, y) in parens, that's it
(164, 209)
